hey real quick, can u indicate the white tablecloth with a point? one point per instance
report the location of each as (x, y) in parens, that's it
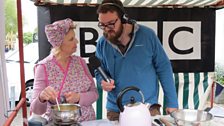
(104, 122)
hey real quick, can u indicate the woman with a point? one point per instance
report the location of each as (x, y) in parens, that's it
(62, 74)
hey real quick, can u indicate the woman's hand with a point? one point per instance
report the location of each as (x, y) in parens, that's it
(72, 97)
(48, 94)
(108, 86)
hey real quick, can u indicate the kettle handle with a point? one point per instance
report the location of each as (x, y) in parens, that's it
(120, 95)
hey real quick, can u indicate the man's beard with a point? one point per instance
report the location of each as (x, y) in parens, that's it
(113, 36)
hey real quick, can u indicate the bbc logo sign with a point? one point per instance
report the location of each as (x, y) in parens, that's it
(180, 39)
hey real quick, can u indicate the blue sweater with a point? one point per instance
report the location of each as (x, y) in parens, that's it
(143, 64)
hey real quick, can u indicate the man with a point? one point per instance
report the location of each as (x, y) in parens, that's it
(131, 55)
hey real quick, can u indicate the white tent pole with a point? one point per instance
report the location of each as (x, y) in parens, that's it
(3, 81)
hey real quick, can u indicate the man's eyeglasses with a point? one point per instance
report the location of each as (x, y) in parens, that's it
(110, 25)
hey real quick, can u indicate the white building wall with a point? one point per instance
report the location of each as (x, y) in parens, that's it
(219, 39)
(4, 97)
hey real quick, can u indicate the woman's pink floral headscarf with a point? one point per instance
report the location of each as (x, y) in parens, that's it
(56, 32)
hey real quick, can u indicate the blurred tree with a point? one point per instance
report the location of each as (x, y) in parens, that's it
(10, 23)
(27, 37)
(219, 69)
(10, 16)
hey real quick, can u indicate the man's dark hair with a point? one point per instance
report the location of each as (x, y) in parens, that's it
(112, 6)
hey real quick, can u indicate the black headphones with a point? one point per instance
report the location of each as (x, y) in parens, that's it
(124, 17)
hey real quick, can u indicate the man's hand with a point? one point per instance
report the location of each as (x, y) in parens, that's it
(107, 86)
(170, 110)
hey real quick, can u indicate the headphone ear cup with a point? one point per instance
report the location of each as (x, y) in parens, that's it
(124, 18)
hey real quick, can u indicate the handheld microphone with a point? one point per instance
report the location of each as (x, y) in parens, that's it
(95, 63)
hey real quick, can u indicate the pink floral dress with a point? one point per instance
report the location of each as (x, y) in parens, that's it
(76, 78)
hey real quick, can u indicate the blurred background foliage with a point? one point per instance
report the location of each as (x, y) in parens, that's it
(27, 37)
(11, 28)
(219, 70)
(10, 16)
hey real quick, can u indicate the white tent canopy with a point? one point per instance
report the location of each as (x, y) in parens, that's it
(141, 3)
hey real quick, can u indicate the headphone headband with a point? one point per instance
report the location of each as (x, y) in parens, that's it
(124, 17)
(116, 5)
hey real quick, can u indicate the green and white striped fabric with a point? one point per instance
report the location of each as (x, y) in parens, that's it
(141, 3)
(193, 89)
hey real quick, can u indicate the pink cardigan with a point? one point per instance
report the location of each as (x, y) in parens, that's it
(75, 78)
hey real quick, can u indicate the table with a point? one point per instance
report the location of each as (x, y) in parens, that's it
(104, 122)
(217, 121)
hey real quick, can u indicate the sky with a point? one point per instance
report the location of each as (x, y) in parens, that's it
(29, 12)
